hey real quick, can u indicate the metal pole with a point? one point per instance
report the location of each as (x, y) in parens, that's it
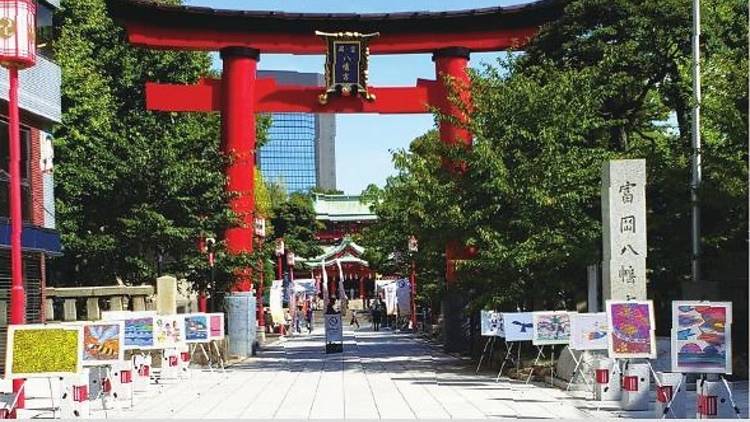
(696, 144)
(413, 296)
(17, 293)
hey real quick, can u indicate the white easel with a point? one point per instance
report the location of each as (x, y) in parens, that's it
(509, 357)
(490, 343)
(536, 361)
(579, 369)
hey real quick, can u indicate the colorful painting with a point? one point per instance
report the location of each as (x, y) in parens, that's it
(38, 351)
(551, 327)
(492, 324)
(103, 343)
(139, 333)
(196, 328)
(216, 326)
(702, 337)
(518, 326)
(631, 325)
(589, 331)
(168, 331)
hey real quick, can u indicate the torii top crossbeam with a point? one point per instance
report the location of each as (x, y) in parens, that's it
(198, 28)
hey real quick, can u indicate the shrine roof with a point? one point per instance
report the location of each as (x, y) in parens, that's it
(157, 25)
(341, 208)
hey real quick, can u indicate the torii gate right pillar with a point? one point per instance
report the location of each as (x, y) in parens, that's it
(455, 102)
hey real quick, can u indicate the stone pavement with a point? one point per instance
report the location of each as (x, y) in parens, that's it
(380, 375)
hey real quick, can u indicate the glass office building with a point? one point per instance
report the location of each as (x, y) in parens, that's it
(300, 150)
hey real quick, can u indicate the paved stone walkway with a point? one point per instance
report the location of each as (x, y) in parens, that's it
(379, 376)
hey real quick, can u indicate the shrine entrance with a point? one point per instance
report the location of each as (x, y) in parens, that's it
(242, 37)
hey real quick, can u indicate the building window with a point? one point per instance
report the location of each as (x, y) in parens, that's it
(44, 31)
(25, 168)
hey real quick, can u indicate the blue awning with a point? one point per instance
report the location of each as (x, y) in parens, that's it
(33, 238)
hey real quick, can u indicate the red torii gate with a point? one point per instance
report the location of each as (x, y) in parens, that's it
(241, 36)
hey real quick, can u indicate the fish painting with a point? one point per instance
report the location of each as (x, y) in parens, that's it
(685, 334)
(701, 337)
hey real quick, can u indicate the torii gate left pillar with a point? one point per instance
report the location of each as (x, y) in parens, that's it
(238, 145)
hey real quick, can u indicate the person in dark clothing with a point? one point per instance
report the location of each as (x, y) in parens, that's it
(377, 312)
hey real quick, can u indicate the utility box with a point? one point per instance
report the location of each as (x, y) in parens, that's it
(607, 380)
(713, 401)
(636, 384)
(670, 387)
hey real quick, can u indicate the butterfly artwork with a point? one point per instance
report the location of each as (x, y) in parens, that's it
(551, 327)
(702, 337)
(632, 326)
(518, 326)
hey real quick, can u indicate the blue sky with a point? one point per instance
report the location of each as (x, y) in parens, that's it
(364, 141)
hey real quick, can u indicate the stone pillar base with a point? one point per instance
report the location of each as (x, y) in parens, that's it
(241, 325)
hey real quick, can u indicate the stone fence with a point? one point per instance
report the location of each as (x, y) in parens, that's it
(86, 303)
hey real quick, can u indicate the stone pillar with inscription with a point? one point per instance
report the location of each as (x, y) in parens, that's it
(624, 229)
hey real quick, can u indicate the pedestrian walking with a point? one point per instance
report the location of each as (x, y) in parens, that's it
(309, 319)
(354, 320)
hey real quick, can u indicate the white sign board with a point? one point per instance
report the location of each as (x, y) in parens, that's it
(334, 328)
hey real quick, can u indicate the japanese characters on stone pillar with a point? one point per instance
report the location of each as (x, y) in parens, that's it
(624, 229)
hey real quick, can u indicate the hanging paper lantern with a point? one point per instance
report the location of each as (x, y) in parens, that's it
(17, 33)
(290, 259)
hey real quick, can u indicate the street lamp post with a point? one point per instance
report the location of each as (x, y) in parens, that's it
(260, 231)
(279, 252)
(17, 51)
(413, 249)
(210, 247)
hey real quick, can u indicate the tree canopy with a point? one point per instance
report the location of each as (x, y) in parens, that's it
(610, 79)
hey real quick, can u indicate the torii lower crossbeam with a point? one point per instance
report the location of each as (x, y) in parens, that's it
(206, 96)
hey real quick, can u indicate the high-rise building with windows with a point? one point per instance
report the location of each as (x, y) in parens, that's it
(300, 151)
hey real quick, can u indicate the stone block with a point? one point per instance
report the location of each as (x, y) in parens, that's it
(115, 303)
(166, 295)
(139, 303)
(93, 312)
(70, 312)
(49, 310)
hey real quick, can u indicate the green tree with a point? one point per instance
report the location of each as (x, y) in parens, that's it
(294, 220)
(135, 189)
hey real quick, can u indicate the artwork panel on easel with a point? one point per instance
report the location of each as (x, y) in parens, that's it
(216, 326)
(103, 343)
(551, 328)
(492, 324)
(196, 328)
(42, 351)
(631, 325)
(589, 331)
(518, 326)
(168, 331)
(139, 333)
(702, 337)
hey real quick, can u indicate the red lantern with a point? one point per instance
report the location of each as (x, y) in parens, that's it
(17, 33)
